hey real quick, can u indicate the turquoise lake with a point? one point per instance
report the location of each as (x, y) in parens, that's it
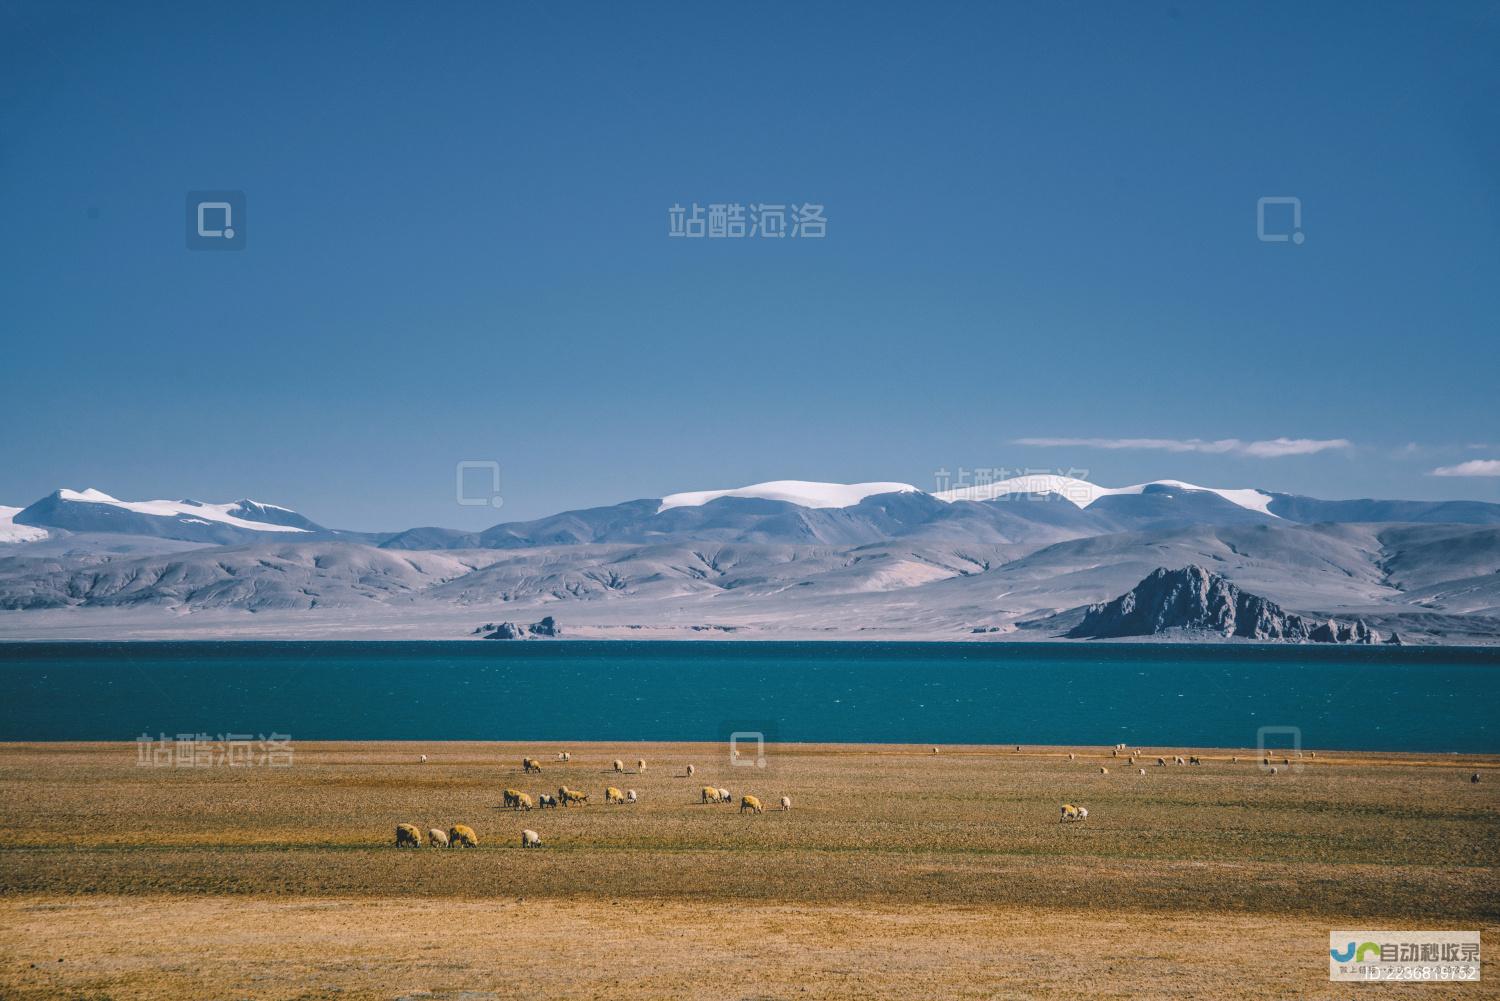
(1353, 698)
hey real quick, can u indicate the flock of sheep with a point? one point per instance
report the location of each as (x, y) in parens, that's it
(463, 836)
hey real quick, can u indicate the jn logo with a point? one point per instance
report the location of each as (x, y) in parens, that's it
(1356, 954)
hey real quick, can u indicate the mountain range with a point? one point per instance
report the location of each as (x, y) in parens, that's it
(1022, 558)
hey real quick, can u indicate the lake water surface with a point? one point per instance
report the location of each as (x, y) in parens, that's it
(1354, 698)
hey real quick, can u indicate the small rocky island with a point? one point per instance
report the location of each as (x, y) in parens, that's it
(1194, 600)
(547, 628)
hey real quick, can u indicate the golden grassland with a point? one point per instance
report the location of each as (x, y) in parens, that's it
(898, 873)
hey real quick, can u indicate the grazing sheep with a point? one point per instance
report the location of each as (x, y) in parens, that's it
(462, 836)
(1265, 761)
(1161, 762)
(1193, 759)
(545, 800)
(570, 796)
(786, 802)
(424, 759)
(530, 839)
(407, 836)
(437, 837)
(523, 801)
(691, 770)
(1070, 812)
(752, 804)
(934, 750)
(1141, 770)
(512, 799)
(1104, 771)
(1178, 760)
(1071, 756)
(1130, 761)
(725, 797)
(531, 765)
(1273, 771)
(1286, 761)
(613, 795)
(630, 796)
(1474, 777)
(1234, 760)
(619, 765)
(640, 765)
(711, 795)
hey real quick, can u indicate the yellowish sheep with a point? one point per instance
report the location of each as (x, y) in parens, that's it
(752, 804)
(407, 836)
(531, 765)
(711, 795)
(570, 796)
(462, 836)
(613, 795)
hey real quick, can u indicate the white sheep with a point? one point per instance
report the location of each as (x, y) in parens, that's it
(1141, 770)
(640, 766)
(437, 837)
(424, 759)
(786, 801)
(725, 797)
(530, 839)
(1104, 771)
(630, 796)
(619, 765)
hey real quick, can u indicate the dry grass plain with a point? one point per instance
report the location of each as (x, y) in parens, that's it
(897, 874)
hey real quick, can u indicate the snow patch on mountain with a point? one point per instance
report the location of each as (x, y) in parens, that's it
(1083, 493)
(11, 532)
(803, 493)
(189, 509)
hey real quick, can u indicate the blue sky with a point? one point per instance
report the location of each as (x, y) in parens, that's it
(1041, 226)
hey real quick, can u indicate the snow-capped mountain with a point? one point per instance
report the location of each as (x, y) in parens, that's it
(1083, 493)
(1032, 509)
(95, 511)
(11, 532)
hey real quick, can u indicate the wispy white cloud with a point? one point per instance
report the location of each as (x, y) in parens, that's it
(1474, 467)
(1273, 448)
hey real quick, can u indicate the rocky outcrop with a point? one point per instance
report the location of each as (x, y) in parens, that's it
(1193, 599)
(547, 627)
